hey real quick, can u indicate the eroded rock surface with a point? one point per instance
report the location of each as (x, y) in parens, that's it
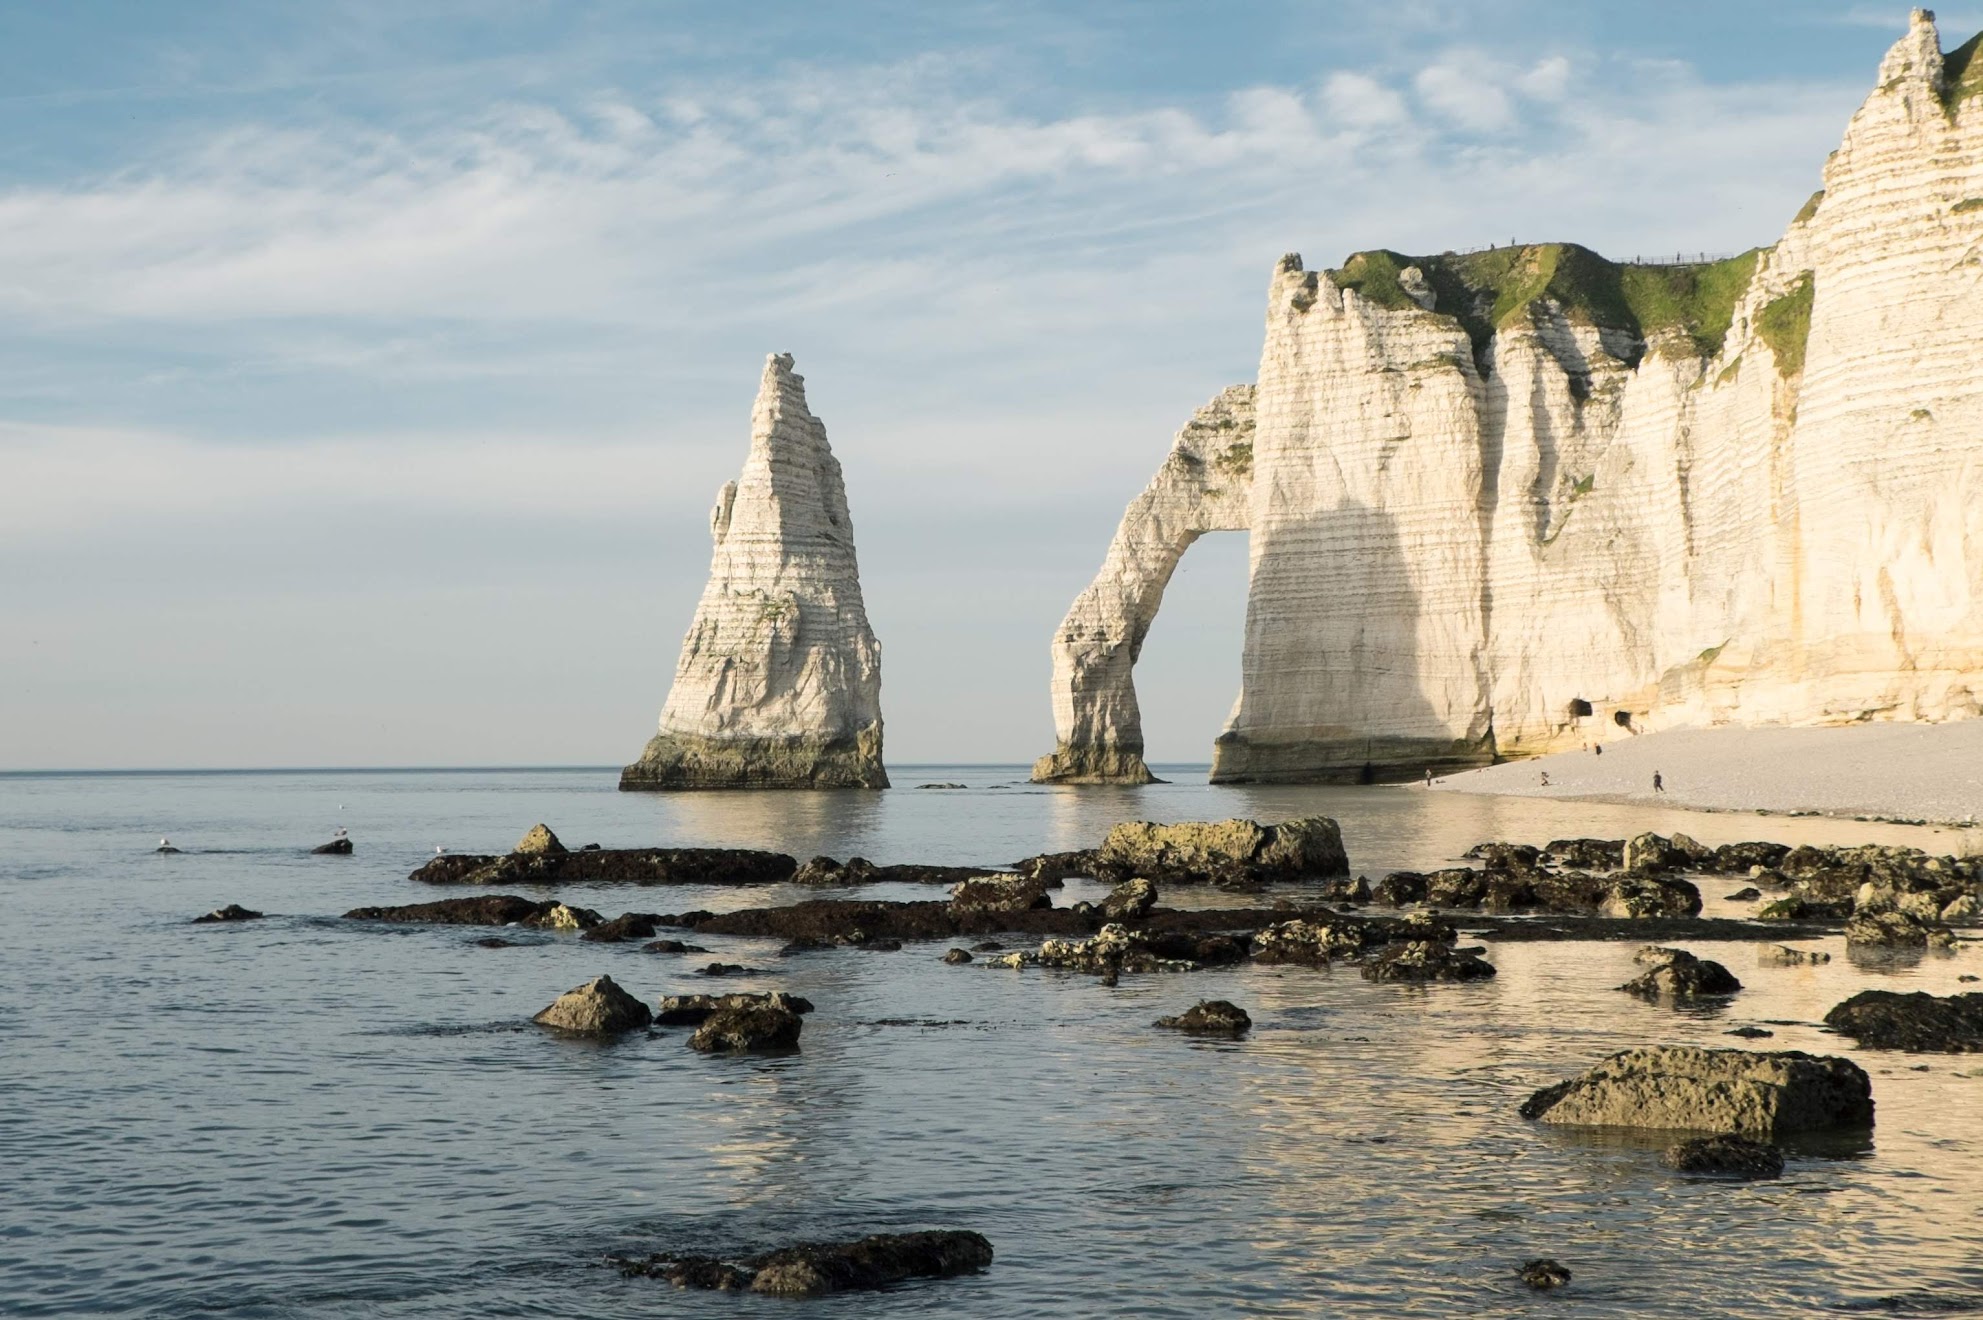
(1199, 852)
(597, 1008)
(1210, 1017)
(779, 680)
(1725, 1155)
(1681, 1086)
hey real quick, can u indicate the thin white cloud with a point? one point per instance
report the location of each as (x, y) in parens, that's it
(1457, 91)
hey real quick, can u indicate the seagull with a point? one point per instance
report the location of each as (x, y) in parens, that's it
(340, 832)
(438, 850)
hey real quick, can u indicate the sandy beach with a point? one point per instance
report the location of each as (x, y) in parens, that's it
(1912, 772)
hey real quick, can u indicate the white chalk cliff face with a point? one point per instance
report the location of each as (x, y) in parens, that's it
(1504, 501)
(779, 682)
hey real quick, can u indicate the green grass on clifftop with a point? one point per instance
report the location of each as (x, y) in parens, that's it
(1962, 72)
(1485, 290)
(1785, 325)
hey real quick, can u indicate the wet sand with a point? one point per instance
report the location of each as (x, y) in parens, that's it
(1909, 772)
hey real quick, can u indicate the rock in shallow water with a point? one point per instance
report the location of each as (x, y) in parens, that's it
(687, 1010)
(1210, 1017)
(1782, 955)
(1543, 1274)
(767, 1024)
(1918, 1022)
(597, 1008)
(1725, 1155)
(1131, 898)
(1200, 852)
(815, 1268)
(1426, 960)
(1675, 974)
(335, 848)
(1681, 1086)
(232, 912)
(538, 840)
(1895, 930)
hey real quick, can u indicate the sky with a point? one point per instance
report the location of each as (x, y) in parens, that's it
(367, 369)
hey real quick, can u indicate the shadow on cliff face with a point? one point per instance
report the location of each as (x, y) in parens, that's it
(1362, 661)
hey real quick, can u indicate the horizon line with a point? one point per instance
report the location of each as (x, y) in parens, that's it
(472, 769)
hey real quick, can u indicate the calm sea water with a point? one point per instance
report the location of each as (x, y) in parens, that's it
(309, 1117)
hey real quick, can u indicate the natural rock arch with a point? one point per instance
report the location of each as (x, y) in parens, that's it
(1204, 485)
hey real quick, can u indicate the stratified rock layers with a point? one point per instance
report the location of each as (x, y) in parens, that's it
(1504, 503)
(779, 683)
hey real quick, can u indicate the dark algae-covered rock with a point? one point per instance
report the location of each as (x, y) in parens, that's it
(232, 912)
(1543, 1274)
(688, 1010)
(338, 847)
(1683, 1086)
(1724, 1155)
(770, 1023)
(1919, 1023)
(1426, 960)
(1210, 1017)
(631, 866)
(481, 910)
(813, 1269)
(626, 926)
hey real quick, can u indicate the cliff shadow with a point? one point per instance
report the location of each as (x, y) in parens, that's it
(1362, 657)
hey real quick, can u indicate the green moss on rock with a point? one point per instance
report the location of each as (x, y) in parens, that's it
(1785, 325)
(1962, 72)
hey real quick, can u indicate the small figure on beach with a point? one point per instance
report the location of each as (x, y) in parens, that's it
(1659, 785)
(1428, 776)
(1545, 779)
(1597, 749)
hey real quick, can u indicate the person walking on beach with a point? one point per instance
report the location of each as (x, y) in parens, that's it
(1428, 776)
(1659, 785)
(1598, 749)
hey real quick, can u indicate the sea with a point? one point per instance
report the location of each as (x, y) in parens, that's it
(308, 1116)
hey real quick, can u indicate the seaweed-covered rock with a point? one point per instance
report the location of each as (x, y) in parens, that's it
(1210, 1017)
(635, 866)
(1199, 852)
(1895, 929)
(1918, 1022)
(1650, 896)
(1725, 1155)
(1505, 856)
(1426, 960)
(1058, 866)
(481, 910)
(816, 1268)
(1737, 858)
(689, 1010)
(1675, 974)
(1802, 907)
(232, 912)
(999, 894)
(1311, 942)
(1682, 1086)
(626, 926)
(1746, 894)
(1653, 852)
(767, 1024)
(1131, 898)
(1586, 854)
(597, 1008)
(1543, 1274)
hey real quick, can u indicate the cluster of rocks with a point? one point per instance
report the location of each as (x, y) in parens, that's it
(738, 1023)
(1889, 897)
(814, 1269)
(1598, 877)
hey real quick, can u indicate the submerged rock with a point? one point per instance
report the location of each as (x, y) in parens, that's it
(1918, 1022)
(1543, 1274)
(1201, 852)
(782, 606)
(626, 926)
(232, 912)
(1682, 1086)
(816, 1268)
(1210, 1017)
(1677, 974)
(597, 1008)
(1782, 955)
(769, 1023)
(1725, 1155)
(671, 946)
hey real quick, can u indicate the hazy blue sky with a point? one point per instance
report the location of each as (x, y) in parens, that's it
(367, 369)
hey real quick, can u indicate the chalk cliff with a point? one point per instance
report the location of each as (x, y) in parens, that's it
(1509, 501)
(779, 682)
